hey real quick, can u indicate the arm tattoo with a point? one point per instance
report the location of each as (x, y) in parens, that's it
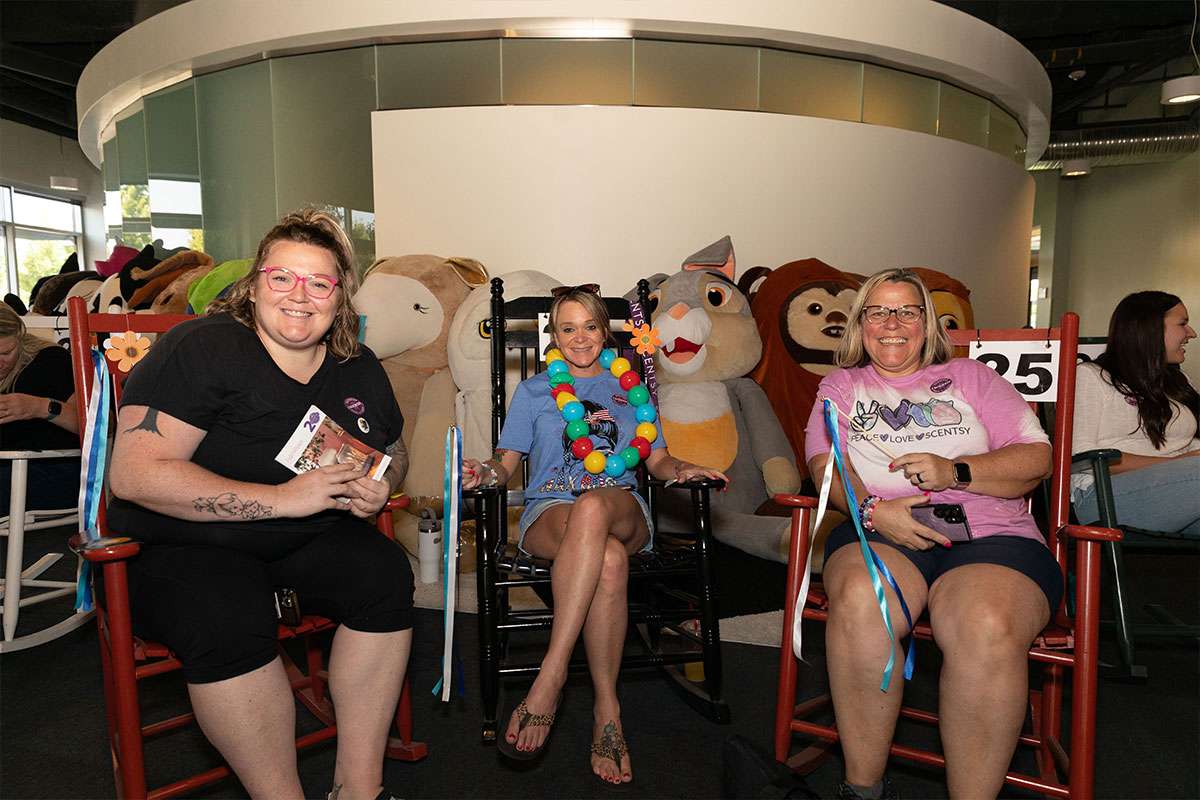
(399, 454)
(498, 456)
(230, 506)
(149, 423)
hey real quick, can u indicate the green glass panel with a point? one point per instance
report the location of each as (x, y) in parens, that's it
(568, 71)
(1021, 146)
(963, 116)
(237, 159)
(112, 176)
(433, 74)
(171, 147)
(812, 86)
(899, 100)
(321, 108)
(1002, 134)
(694, 75)
(131, 149)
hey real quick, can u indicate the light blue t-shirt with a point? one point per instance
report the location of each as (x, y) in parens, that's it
(535, 426)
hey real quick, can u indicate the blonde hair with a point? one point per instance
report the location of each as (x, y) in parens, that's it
(28, 345)
(592, 303)
(318, 229)
(851, 351)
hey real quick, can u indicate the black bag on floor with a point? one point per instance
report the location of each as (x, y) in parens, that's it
(750, 774)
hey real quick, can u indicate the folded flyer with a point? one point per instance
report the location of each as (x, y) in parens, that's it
(318, 441)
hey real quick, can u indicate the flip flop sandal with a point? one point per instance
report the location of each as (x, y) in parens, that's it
(612, 746)
(524, 718)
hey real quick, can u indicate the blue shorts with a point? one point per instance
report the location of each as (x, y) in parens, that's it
(534, 510)
(1029, 557)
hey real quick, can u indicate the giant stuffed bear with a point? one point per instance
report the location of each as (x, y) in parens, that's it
(710, 413)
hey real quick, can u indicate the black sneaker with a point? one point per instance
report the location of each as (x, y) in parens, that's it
(846, 793)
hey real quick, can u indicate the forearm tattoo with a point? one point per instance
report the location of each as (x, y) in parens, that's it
(229, 506)
(149, 423)
(498, 456)
(399, 454)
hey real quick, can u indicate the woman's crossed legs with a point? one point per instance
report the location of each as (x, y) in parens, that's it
(589, 541)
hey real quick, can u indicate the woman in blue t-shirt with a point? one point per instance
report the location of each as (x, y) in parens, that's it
(586, 523)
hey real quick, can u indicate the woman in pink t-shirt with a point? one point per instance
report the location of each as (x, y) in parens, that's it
(961, 434)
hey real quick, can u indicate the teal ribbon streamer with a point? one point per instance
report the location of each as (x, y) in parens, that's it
(875, 565)
(95, 451)
(451, 530)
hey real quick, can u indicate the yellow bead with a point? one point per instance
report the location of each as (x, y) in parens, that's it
(563, 398)
(554, 355)
(595, 462)
(647, 431)
(619, 367)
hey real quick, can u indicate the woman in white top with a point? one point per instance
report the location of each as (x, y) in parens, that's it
(1136, 399)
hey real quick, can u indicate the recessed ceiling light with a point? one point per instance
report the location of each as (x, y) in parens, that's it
(1077, 74)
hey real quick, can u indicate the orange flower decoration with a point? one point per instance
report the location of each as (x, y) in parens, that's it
(644, 338)
(126, 349)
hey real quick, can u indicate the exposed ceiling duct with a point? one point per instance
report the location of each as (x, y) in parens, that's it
(1123, 144)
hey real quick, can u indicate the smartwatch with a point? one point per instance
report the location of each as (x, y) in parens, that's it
(55, 409)
(962, 475)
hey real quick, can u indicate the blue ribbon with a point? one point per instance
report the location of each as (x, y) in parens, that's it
(874, 564)
(451, 519)
(92, 484)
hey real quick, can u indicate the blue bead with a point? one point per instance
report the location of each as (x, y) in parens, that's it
(607, 357)
(646, 413)
(572, 411)
(555, 367)
(614, 465)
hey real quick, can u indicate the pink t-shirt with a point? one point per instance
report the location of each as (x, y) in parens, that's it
(955, 409)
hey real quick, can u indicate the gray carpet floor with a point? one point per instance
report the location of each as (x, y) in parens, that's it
(52, 729)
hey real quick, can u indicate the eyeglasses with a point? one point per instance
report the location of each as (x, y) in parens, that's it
(879, 314)
(590, 288)
(280, 279)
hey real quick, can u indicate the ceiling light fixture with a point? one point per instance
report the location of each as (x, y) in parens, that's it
(1187, 88)
(1181, 90)
(1076, 167)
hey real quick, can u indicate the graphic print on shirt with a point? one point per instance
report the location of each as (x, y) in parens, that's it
(572, 476)
(907, 421)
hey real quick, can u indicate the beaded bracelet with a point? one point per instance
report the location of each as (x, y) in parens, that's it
(866, 510)
(495, 476)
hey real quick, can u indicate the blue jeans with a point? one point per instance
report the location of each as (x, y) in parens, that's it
(1164, 497)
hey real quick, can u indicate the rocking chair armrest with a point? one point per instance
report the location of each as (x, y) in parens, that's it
(712, 484)
(796, 500)
(1102, 454)
(1090, 533)
(89, 551)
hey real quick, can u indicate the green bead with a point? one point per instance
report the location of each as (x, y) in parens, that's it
(639, 395)
(631, 457)
(576, 429)
(562, 377)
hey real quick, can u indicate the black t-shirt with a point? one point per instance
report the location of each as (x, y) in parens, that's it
(215, 374)
(48, 375)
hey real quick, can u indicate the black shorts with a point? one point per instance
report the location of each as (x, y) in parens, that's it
(215, 606)
(1028, 557)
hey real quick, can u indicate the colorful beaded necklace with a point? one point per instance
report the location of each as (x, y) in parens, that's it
(595, 462)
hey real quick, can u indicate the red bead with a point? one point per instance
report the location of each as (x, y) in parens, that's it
(643, 447)
(562, 387)
(629, 380)
(582, 446)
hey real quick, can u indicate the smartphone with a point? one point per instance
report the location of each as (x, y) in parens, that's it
(948, 519)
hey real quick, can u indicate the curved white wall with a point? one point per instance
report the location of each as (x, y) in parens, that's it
(917, 35)
(615, 193)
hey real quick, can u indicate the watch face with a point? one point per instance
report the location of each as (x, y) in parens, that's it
(55, 408)
(962, 472)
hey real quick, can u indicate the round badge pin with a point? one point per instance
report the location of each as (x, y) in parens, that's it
(354, 405)
(363, 425)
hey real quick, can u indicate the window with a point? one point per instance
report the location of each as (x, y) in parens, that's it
(40, 234)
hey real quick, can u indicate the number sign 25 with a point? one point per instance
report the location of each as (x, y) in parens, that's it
(1029, 366)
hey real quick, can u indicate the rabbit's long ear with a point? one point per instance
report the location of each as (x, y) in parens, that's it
(718, 257)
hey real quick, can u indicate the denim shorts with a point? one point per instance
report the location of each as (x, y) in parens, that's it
(1029, 557)
(534, 510)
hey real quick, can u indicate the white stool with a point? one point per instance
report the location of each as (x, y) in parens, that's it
(16, 579)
